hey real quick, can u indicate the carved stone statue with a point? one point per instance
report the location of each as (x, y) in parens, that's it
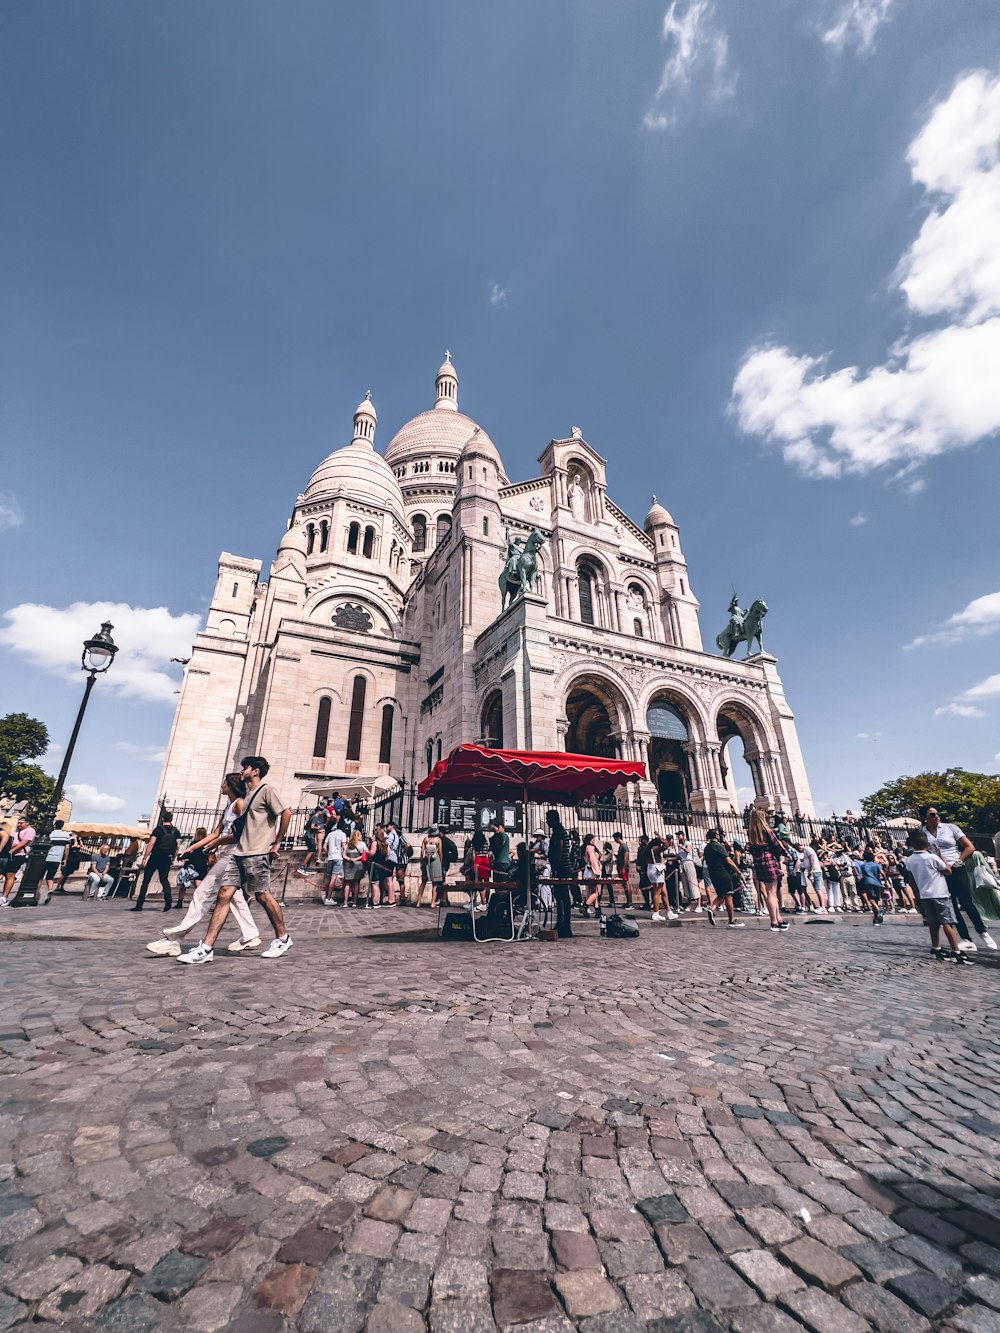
(577, 498)
(520, 570)
(743, 627)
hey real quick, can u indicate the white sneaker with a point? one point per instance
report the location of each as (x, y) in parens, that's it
(966, 946)
(237, 946)
(4, 902)
(988, 940)
(699, 908)
(302, 872)
(324, 902)
(164, 948)
(278, 947)
(199, 954)
(656, 917)
(672, 916)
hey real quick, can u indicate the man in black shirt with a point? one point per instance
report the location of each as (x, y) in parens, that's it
(160, 852)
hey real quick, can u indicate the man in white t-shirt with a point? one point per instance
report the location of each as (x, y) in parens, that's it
(954, 848)
(336, 841)
(59, 844)
(928, 874)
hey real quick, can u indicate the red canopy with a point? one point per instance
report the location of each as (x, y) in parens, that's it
(472, 770)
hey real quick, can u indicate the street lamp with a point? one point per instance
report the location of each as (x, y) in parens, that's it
(98, 654)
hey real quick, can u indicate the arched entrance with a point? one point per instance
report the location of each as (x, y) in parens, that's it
(492, 720)
(668, 762)
(597, 716)
(738, 733)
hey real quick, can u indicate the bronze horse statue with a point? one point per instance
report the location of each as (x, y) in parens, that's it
(521, 566)
(743, 627)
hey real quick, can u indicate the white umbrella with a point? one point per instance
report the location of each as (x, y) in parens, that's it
(353, 787)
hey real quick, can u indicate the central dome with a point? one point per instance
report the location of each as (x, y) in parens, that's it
(357, 470)
(439, 434)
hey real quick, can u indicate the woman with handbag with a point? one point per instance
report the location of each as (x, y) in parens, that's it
(766, 852)
(380, 867)
(355, 857)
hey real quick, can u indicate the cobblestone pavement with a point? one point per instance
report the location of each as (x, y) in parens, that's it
(698, 1130)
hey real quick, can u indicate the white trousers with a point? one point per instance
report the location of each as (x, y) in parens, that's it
(691, 880)
(223, 872)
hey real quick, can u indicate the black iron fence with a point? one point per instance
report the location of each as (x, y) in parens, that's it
(630, 817)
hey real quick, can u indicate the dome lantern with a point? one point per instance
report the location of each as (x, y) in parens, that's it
(446, 385)
(365, 421)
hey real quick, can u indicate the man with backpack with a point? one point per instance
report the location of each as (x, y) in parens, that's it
(161, 850)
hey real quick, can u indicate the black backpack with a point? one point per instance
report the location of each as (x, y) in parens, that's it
(620, 928)
(167, 840)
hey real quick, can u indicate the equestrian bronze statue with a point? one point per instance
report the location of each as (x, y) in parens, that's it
(520, 570)
(743, 627)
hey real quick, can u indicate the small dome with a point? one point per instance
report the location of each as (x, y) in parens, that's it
(479, 445)
(294, 540)
(357, 471)
(446, 368)
(658, 515)
(366, 408)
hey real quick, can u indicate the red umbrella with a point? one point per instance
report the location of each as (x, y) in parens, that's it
(525, 774)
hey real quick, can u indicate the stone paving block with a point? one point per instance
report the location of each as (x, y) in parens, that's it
(818, 1263)
(975, 1319)
(659, 1295)
(983, 1256)
(175, 1274)
(343, 1291)
(930, 1225)
(390, 1204)
(586, 1293)
(405, 1283)
(527, 1252)
(717, 1285)
(137, 1312)
(390, 1317)
(947, 1267)
(428, 1215)
(461, 1317)
(575, 1250)
(883, 1310)
(35, 1283)
(773, 1227)
(924, 1292)
(822, 1313)
(763, 1271)
(209, 1307)
(11, 1311)
(83, 1296)
(618, 1224)
(215, 1239)
(375, 1239)
(623, 1260)
(763, 1319)
(879, 1262)
(520, 1296)
(284, 1289)
(663, 1208)
(564, 1217)
(680, 1243)
(984, 1288)
(309, 1245)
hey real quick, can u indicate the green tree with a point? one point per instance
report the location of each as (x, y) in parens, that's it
(962, 797)
(23, 738)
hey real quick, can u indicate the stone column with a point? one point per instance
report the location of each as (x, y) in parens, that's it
(562, 727)
(618, 610)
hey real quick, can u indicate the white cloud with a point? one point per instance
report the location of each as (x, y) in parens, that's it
(867, 735)
(939, 390)
(858, 521)
(856, 24)
(986, 689)
(11, 513)
(981, 616)
(155, 754)
(498, 294)
(52, 640)
(956, 709)
(698, 54)
(87, 798)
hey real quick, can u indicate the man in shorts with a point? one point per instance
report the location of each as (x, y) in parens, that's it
(59, 844)
(260, 829)
(334, 844)
(928, 874)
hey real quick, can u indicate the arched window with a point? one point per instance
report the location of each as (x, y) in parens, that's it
(353, 535)
(369, 547)
(662, 719)
(439, 749)
(444, 603)
(236, 588)
(637, 629)
(486, 527)
(586, 585)
(430, 755)
(357, 718)
(443, 527)
(322, 729)
(310, 537)
(324, 534)
(385, 741)
(419, 533)
(493, 720)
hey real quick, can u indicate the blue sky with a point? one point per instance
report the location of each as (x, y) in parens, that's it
(677, 225)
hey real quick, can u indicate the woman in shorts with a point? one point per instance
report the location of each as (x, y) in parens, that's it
(355, 856)
(725, 876)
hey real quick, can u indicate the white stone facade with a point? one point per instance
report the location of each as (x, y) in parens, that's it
(377, 642)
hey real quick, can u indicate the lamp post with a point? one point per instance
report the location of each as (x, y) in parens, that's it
(98, 654)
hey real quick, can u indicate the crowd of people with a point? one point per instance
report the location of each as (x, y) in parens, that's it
(770, 872)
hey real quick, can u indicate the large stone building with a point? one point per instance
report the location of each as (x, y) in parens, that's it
(377, 643)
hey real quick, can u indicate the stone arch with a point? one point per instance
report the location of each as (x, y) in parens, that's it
(580, 483)
(674, 723)
(593, 589)
(491, 718)
(325, 602)
(598, 713)
(737, 723)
